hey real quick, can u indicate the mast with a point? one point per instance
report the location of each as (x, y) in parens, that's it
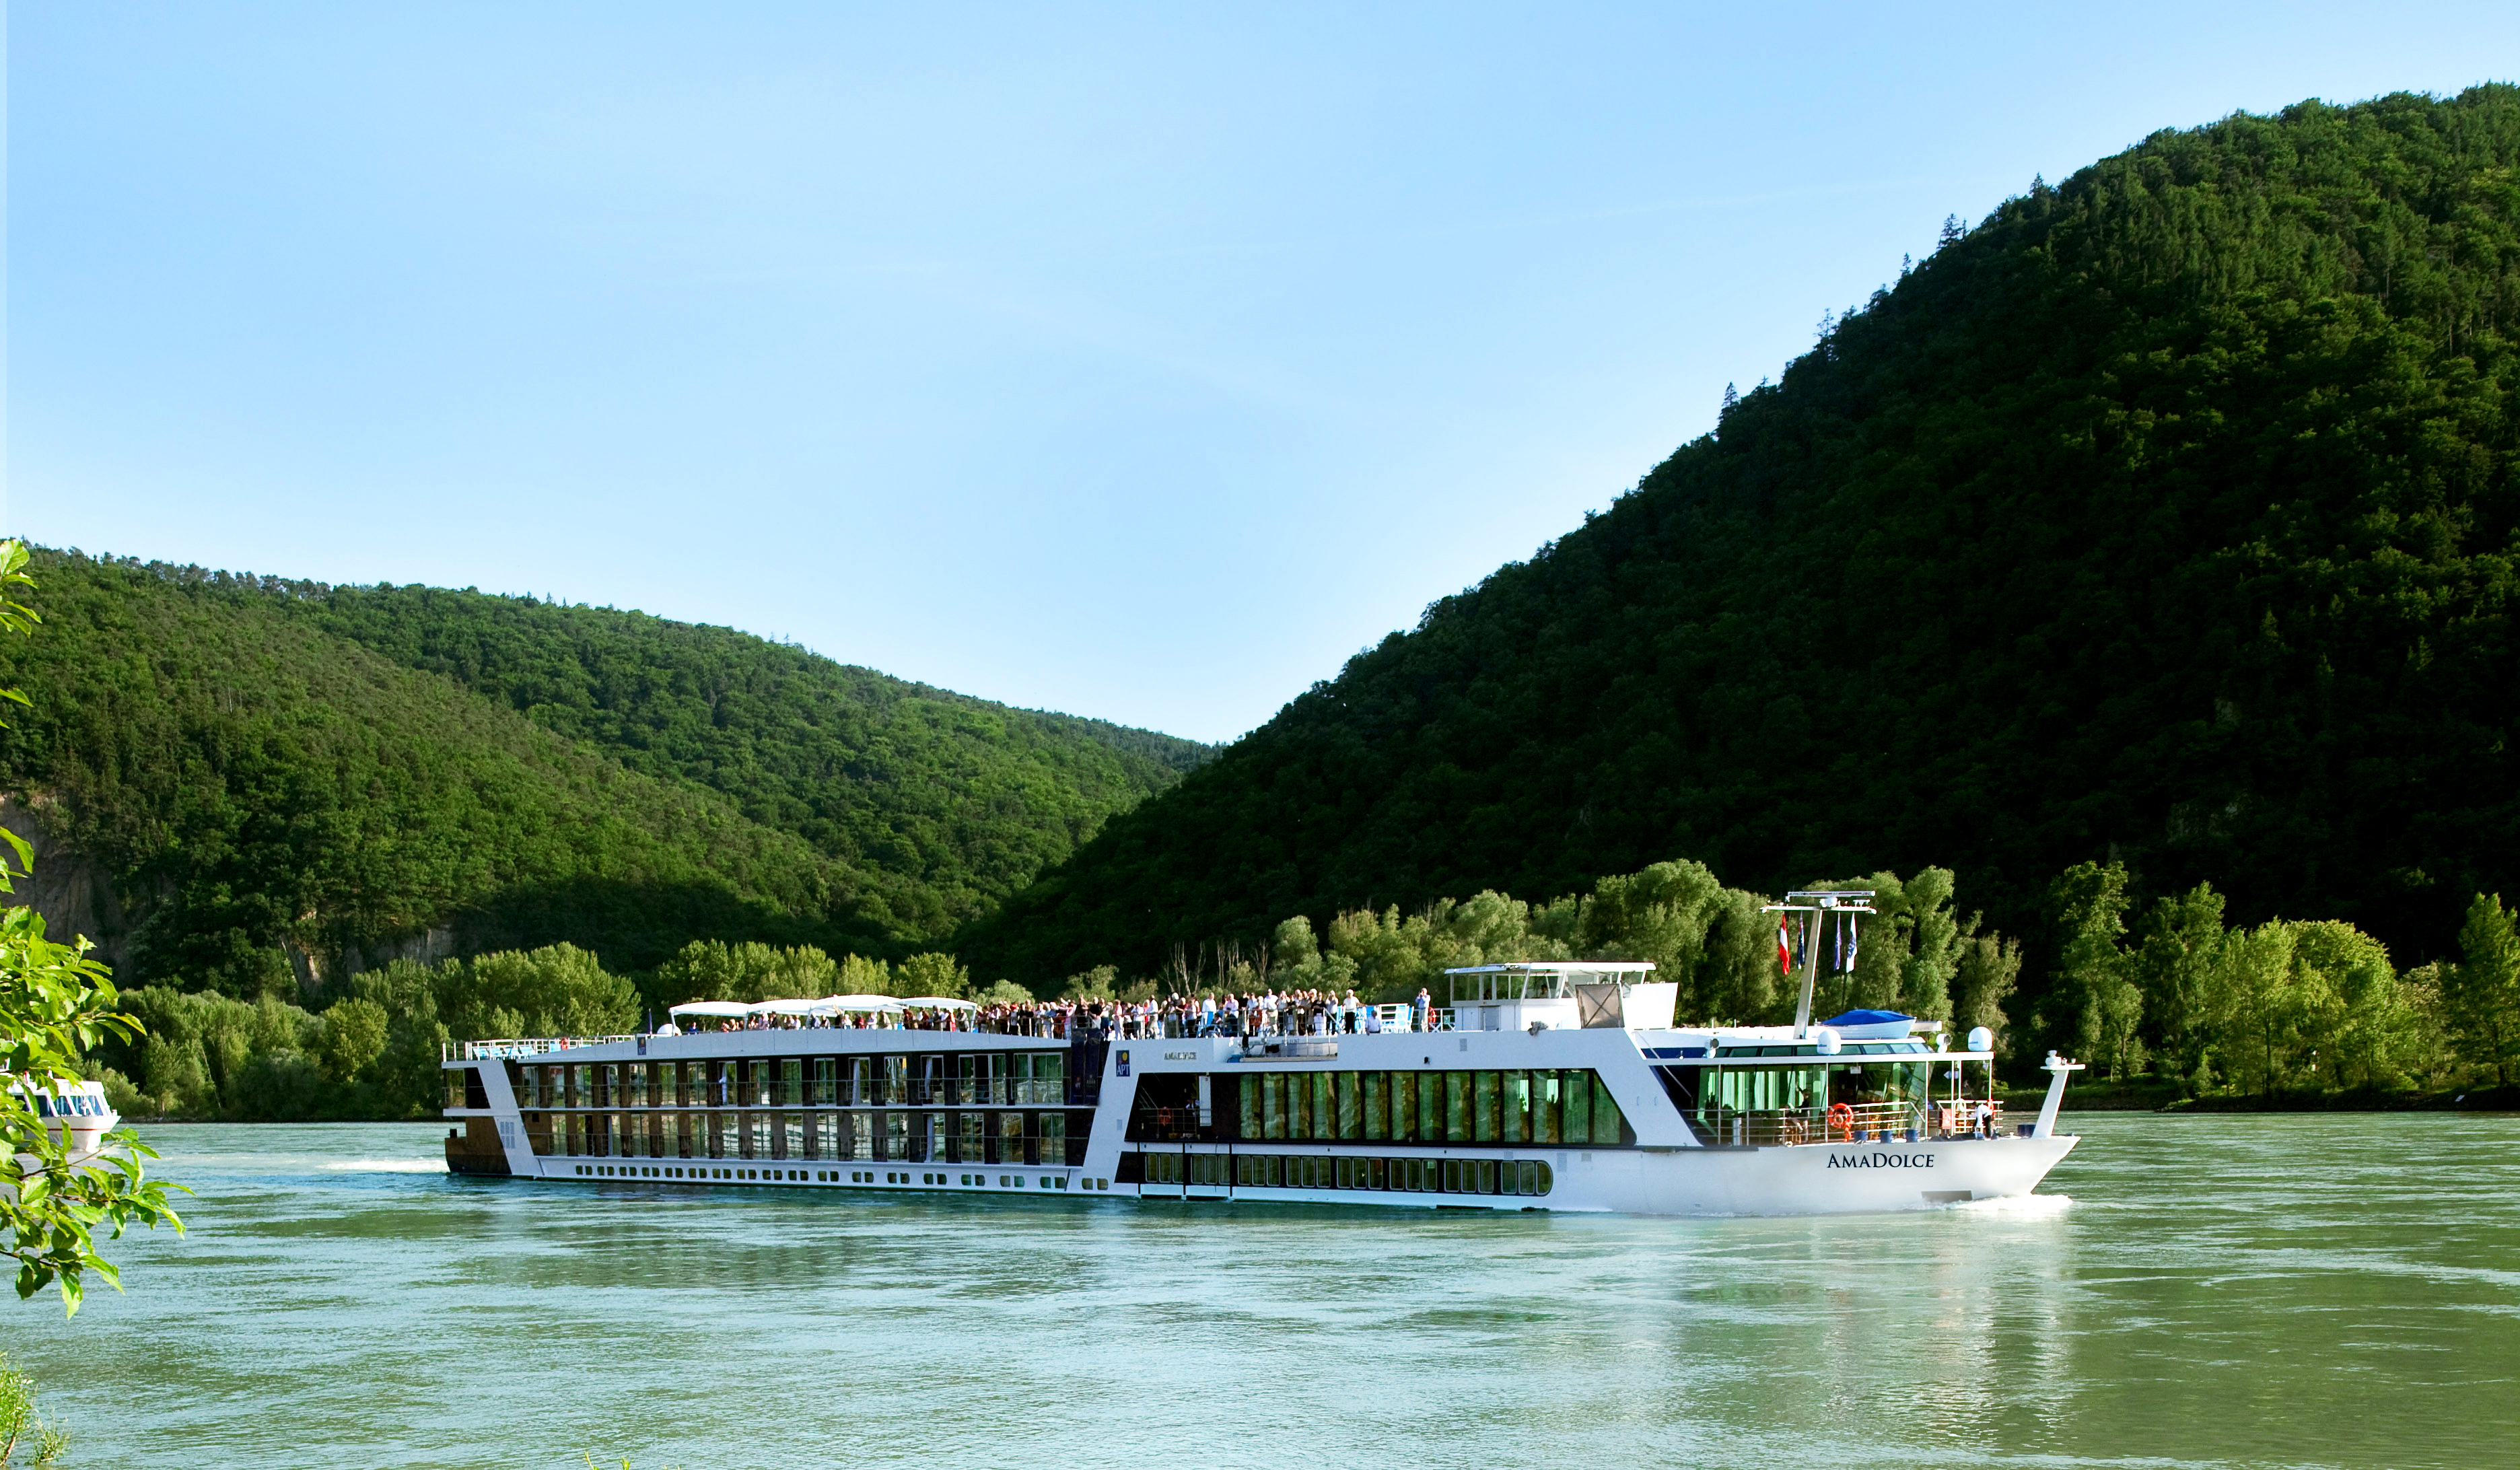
(1818, 901)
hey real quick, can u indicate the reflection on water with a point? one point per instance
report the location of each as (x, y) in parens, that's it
(2288, 1290)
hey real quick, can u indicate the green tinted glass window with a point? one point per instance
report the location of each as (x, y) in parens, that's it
(1377, 1116)
(1575, 1101)
(1606, 1122)
(1351, 1106)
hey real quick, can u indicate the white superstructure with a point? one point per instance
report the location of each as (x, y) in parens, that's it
(1555, 1087)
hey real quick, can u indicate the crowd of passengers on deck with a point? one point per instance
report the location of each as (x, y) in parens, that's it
(1265, 1013)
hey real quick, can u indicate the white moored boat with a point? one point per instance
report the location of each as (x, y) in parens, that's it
(1544, 1085)
(76, 1116)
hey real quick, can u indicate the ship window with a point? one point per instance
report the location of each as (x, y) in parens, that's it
(1377, 1116)
(1608, 1126)
(1273, 1105)
(1575, 1102)
(1514, 1100)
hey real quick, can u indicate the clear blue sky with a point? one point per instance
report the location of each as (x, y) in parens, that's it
(1138, 362)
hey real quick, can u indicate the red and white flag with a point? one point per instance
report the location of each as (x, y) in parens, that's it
(1784, 949)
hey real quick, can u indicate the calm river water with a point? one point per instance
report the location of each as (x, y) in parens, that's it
(2195, 1291)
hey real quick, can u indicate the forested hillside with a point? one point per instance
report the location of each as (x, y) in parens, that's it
(958, 800)
(235, 792)
(2166, 516)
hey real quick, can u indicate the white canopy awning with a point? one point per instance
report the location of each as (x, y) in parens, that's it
(857, 1003)
(731, 1010)
(936, 1002)
(787, 1007)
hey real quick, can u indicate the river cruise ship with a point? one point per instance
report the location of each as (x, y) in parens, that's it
(1543, 1086)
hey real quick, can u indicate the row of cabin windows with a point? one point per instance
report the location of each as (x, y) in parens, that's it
(1569, 1106)
(824, 1177)
(1262, 1171)
(972, 1137)
(989, 1079)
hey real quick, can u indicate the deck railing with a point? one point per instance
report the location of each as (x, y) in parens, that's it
(1858, 1122)
(522, 1046)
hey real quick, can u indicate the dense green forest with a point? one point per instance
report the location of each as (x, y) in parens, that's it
(960, 800)
(253, 787)
(2167, 517)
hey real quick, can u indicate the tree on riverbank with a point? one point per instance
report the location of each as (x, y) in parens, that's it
(2285, 1006)
(2482, 992)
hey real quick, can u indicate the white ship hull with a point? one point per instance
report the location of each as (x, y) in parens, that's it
(1833, 1178)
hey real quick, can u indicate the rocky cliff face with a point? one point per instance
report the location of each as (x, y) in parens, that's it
(77, 899)
(65, 887)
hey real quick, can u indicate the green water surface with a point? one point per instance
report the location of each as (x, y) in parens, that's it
(2288, 1290)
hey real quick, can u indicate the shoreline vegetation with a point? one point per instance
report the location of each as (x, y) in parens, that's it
(2171, 1009)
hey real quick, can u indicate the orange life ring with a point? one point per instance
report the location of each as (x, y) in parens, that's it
(1841, 1122)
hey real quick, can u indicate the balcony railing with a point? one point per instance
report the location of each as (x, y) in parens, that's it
(1848, 1123)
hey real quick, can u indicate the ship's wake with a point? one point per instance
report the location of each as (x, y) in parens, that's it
(387, 1166)
(2019, 1206)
